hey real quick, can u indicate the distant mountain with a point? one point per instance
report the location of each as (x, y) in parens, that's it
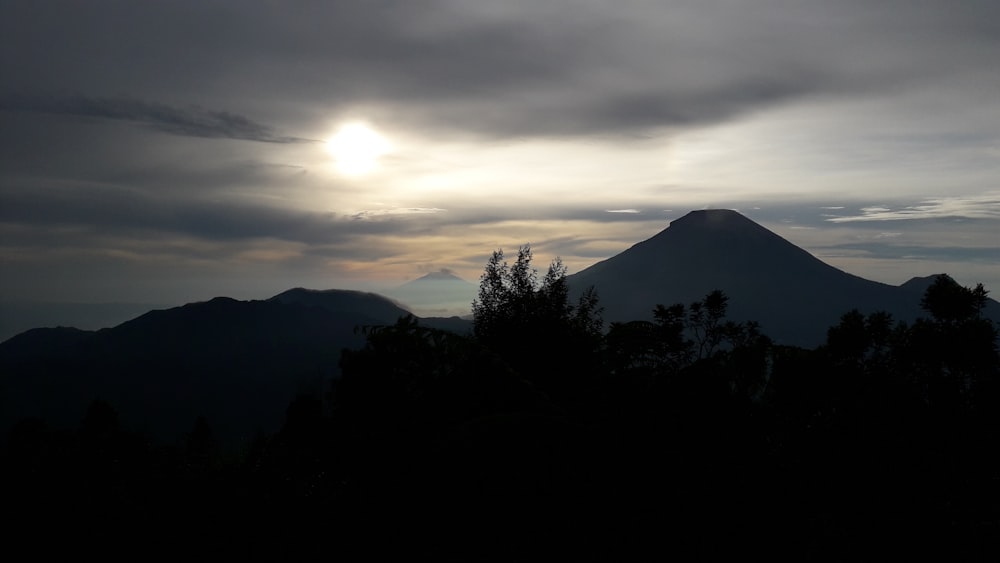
(793, 295)
(239, 363)
(440, 293)
(440, 276)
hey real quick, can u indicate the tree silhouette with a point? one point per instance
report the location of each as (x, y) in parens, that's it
(512, 300)
(201, 449)
(860, 342)
(954, 353)
(533, 327)
(949, 302)
(704, 322)
(681, 335)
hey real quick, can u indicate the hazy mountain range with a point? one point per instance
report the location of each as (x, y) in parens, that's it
(436, 294)
(244, 361)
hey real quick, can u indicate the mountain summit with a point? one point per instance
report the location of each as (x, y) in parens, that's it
(791, 293)
(440, 275)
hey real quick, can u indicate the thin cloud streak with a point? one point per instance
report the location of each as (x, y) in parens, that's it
(984, 206)
(191, 121)
(368, 214)
(888, 251)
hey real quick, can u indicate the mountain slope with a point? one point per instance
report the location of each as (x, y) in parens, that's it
(792, 294)
(378, 308)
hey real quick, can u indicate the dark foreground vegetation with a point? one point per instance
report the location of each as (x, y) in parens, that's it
(544, 435)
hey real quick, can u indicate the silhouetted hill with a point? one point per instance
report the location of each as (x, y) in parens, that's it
(379, 308)
(52, 342)
(239, 363)
(793, 295)
(918, 285)
(19, 316)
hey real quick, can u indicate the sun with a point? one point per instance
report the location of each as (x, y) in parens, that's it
(356, 148)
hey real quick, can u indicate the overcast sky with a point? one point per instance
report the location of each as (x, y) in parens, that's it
(175, 151)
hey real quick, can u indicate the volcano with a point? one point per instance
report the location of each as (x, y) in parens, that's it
(794, 296)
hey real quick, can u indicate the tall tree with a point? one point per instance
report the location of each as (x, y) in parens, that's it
(531, 324)
(949, 302)
(705, 322)
(955, 351)
(512, 302)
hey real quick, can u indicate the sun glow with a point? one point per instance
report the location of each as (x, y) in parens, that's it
(356, 148)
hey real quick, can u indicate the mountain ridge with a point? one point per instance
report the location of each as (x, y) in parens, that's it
(244, 360)
(239, 362)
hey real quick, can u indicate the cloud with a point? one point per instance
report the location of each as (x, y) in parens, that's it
(369, 214)
(888, 251)
(78, 214)
(974, 206)
(525, 68)
(190, 121)
(116, 212)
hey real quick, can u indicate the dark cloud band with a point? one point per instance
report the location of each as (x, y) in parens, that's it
(189, 121)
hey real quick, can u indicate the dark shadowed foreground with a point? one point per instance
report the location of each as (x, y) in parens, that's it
(544, 435)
